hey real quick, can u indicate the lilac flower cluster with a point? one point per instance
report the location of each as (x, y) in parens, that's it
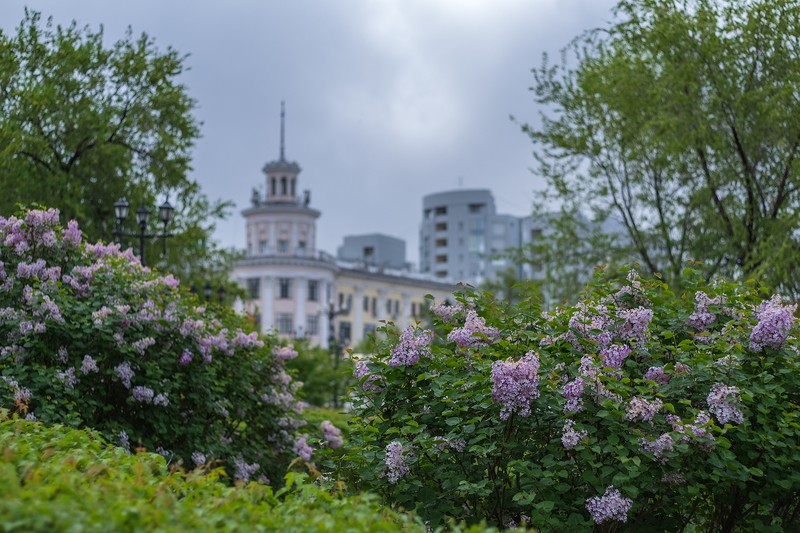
(442, 443)
(124, 373)
(302, 449)
(720, 406)
(571, 437)
(659, 446)
(198, 458)
(697, 429)
(636, 324)
(67, 377)
(475, 332)
(142, 345)
(657, 374)
(447, 312)
(361, 371)
(123, 440)
(610, 506)
(515, 384)
(396, 461)
(774, 322)
(701, 317)
(88, 365)
(573, 392)
(640, 409)
(142, 394)
(243, 470)
(186, 358)
(331, 433)
(21, 394)
(614, 355)
(161, 399)
(413, 345)
(284, 353)
(589, 323)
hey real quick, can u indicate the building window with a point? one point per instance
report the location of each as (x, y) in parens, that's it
(397, 307)
(476, 208)
(283, 246)
(284, 288)
(441, 242)
(427, 213)
(341, 300)
(349, 302)
(312, 325)
(441, 258)
(388, 307)
(536, 234)
(345, 329)
(284, 190)
(441, 210)
(301, 247)
(274, 182)
(313, 290)
(369, 329)
(441, 273)
(262, 247)
(366, 303)
(284, 324)
(441, 226)
(253, 288)
(293, 187)
(413, 308)
(374, 306)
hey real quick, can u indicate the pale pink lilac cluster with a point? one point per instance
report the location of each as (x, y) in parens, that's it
(396, 461)
(722, 402)
(774, 323)
(570, 437)
(331, 433)
(515, 384)
(639, 409)
(610, 506)
(302, 449)
(475, 332)
(284, 353)
(659, 446)
(413, 344)
(447, 312)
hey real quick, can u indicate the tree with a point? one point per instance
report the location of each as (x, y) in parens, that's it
(83, 124)
(680, 120)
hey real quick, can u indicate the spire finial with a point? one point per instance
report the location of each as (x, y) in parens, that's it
(283, 115)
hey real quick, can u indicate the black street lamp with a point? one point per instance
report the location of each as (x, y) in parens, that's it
(335, 347)
(121, 211)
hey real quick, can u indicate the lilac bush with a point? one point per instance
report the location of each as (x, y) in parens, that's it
(636, 409)
(91, 338)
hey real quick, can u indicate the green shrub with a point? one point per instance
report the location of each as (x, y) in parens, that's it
(59, 479)
(322, 376)
(90, 338)
(636, 409)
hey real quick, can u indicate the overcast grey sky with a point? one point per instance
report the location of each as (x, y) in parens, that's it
(386, 101)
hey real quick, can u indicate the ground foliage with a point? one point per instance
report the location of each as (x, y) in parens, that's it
(637, 409)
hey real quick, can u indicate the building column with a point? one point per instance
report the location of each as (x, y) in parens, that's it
(266, 304)
(405, 316)
(382, 314)
(358, 314)
(300, 306)
(324, 305)
(272, 246)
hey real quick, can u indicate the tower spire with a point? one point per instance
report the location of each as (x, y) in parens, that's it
(283, 115)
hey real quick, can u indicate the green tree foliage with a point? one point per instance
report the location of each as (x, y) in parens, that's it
(636, 409)
(83, 124)
(680, 121)
(321, 374)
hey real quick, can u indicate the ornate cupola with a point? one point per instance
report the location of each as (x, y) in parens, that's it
(282, 174)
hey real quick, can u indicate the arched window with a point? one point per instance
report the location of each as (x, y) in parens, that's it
(284, 191)
(274, 184)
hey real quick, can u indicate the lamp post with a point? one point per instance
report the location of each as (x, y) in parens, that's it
(121, 210)
(334, 347)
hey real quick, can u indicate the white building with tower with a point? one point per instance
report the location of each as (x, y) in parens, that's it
(298, 291)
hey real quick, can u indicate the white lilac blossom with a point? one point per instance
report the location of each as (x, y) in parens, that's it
(413, 344)
(284, 353)
(475, 332)
(515, 384)
(720, 406)
(67, 377)
(125, 374)
(88, 364)
(571, 437)
(573, 391)
(774, 322)
(610, 506)
(302, 449)
(161, 399)
(123, 440)
(331, 433)
(143, 344)
(640, 409)
(659, 446)
(396, 461)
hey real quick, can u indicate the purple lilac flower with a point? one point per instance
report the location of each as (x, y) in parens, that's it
(698, 429)
(609, 506)
(515, 384)
(656, 373)
(681, 368)
(21, 394)
(67, 377)
(413, 345)
(473, 325)
(186, 357)
(570, 437)
(72, 234)
(143, 344)
(774, 322)
(302, 449)
(701, 317)
(161, 399)
(247, 341)
(101, 314)
(123, 440)
(243, 470)
(284, 353)
(590, 323)
(62, 354)
(125, 374)
(31, 417)
(659, 446)
(331, 433)
(142, 394)
(640, 409)
(362, 370)
(441, 443)
(573, 391)
(198, 458)
(447, 312)
(725, 411)
(614, 354)
(88, 364)
(396, 457)
(636, 324)
(30, 270)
